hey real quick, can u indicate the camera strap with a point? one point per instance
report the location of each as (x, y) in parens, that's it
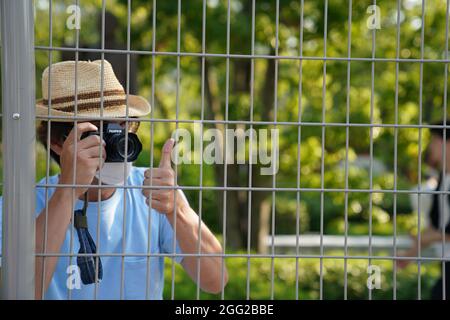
(86, 263)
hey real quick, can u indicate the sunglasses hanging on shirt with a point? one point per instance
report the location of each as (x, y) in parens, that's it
(86, 263)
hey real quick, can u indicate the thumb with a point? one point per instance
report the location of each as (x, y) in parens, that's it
(165, 154)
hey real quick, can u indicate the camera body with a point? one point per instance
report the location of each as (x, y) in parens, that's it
(115, 138)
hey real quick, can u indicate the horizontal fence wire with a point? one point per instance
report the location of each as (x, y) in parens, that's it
(253, 255)
(244, 56)
(249, 122)
(285, 189)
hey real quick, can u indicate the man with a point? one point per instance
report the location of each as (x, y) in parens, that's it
(435, 209)
(109, 220)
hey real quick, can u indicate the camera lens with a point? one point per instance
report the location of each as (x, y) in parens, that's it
(121, 146)
(134, 147)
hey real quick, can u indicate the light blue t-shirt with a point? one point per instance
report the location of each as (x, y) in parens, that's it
(118, 233)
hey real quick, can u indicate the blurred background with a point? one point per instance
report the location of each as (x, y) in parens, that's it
(374, 154)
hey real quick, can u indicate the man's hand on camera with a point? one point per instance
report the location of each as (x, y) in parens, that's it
(87, 157)
(163, 200)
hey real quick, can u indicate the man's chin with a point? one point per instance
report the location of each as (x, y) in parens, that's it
(95, 182)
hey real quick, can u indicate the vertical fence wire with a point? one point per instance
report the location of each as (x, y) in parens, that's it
(397, 67)
(347, 134)
(274, 176)
(372, 103)
(127, 90)
(444, 131)
(1, 138)
(177, 113)
(99, 202)
(47, 164)
(225, 152)
(299, 139)
(250, 155)
(322, 159)
(99, 191)
(202, 118)
(419, 173)
(75, 147)
(149, 220)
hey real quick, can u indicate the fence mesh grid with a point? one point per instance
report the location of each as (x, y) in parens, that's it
(274, 189)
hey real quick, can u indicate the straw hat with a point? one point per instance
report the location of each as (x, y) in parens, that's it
(88, 74)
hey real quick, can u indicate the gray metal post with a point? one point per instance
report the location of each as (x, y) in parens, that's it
(18, 100)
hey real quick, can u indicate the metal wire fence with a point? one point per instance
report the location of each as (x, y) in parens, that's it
(274, 186)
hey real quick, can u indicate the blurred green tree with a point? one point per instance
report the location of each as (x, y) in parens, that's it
(289, 90)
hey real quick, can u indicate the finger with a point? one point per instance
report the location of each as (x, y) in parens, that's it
(150, 192)
(159, 181)
(94, 152)
(158, 194)
(165, 154)
(158, 205)
(95, 162)
(81, 128)
(162, 196)
(154, 173)
(90, 141)
(149, 182)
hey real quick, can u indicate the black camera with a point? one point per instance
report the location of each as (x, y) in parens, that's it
(115, 138)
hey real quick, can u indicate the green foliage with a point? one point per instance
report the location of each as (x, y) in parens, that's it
(365, 103)
(333, 276)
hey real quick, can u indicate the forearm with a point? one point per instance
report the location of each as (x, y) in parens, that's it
(190, 232)
(430, 236)
(59, 211)
(187, 234)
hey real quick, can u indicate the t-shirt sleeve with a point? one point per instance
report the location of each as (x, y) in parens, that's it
(166, 234)
(39, 206)
(42, 198)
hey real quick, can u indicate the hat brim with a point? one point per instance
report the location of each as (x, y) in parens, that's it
(137, 107)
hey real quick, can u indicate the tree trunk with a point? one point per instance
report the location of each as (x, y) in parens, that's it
(234, 237)
(237, 202)
(260, 200)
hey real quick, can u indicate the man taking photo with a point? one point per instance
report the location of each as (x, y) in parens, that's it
(114, 237)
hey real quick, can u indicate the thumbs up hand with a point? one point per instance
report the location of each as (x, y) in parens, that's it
(165, 154)
(162, 200)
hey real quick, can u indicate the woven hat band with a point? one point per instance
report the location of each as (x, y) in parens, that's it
(94, 105)
(84, 96)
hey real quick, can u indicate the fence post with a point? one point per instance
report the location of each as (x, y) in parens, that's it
(18, 147)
